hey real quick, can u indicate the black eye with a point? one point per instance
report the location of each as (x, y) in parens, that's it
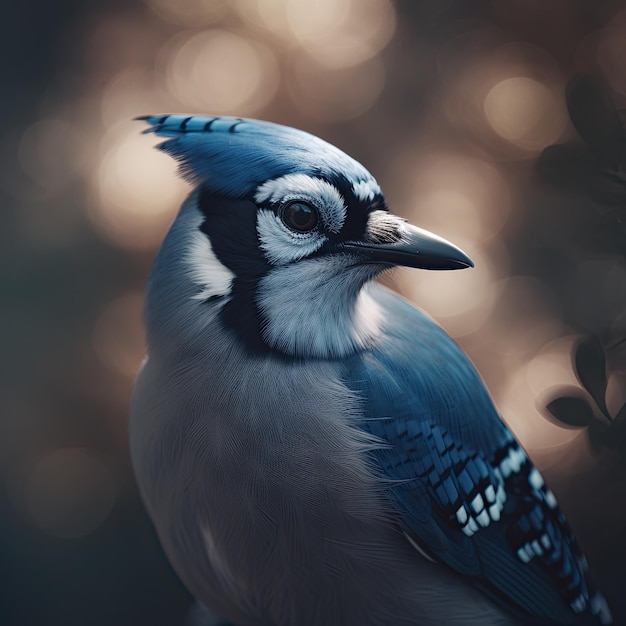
(299, 216)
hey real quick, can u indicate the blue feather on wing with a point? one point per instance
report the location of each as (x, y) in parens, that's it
(463, 488)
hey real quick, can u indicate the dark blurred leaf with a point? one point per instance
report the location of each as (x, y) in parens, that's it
(616, 345)
(570, 165)
(590, 366)
(574, 166)
(595, 118)
(620, 417)
(572, 411)
(599, 436)
(618, 430)
(609, 187)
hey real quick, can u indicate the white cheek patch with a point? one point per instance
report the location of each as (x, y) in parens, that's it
(205, 269)
(282, 245)
(302, 187)
(366, 190)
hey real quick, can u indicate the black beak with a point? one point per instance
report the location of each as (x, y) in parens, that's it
(417, 248)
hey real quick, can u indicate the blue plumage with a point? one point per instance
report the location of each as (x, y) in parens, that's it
(236, 155)
(313, 449)
(447, 447)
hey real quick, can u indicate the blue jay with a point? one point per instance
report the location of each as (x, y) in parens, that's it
(312, 449)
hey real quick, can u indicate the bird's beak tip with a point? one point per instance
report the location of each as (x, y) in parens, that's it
(463, 264)
(419, 249)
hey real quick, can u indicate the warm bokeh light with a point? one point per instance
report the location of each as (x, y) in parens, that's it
(458, 197)
(448, 104)
(220, 72)
(118, 335)
(138, 192)
(467, 201)
(70, 493)
(335, 95)
(129, 94)
(508, 94)
(342, 33)
(190, 13)
(519, 406)
(551, 366)
(530, 385)
(525, 113)
(616, 393)
(461, 301)
(337, 33)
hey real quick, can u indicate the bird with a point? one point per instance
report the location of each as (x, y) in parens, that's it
(312, 449)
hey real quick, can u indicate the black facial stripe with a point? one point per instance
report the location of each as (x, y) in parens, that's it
(357, 212)
(231, 227)
(241, 315)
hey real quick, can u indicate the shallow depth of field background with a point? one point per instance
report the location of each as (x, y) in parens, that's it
(449, 103)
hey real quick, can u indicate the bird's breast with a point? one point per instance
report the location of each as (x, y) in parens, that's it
(242, 466)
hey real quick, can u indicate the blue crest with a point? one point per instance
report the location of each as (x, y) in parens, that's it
(234, 155)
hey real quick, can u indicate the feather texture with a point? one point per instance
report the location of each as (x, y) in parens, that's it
(235, 156)
(314, 450)
(464, 488)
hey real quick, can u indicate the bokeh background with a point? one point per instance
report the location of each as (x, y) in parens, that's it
(452, 104)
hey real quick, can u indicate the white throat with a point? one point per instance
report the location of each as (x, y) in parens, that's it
(318, 308)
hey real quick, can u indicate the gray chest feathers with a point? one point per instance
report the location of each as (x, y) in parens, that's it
(274, 517)
(243, 489)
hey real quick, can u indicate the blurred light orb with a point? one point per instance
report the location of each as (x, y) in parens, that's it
(189, 12)
(342, 33)
(219, 72)
(118, 337)
(520, 407)
(615, 393)
(265, 15)
(336, 33)
(461, 301)
(138, 191)
(70, 493)
(128, 94)
(460, 198)
(335, 95)
(452, 211)
(551, 366)
(525, 113)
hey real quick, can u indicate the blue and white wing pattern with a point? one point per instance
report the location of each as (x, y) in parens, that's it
(465, 491)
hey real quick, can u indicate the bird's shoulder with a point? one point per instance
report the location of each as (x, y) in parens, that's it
(415, 371)
(465, 490)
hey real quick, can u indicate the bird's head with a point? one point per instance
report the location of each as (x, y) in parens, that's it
(279, 238)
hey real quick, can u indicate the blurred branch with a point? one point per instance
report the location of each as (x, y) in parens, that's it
(596, 165)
